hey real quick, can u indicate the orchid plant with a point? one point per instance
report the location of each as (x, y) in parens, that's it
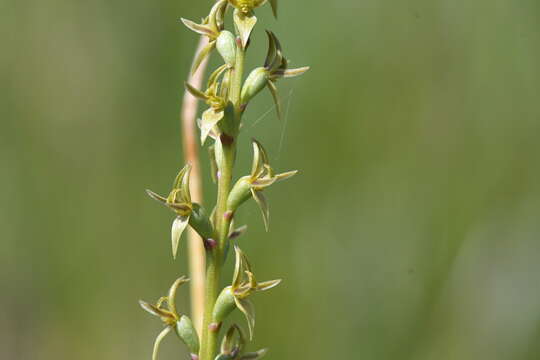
(227, 96)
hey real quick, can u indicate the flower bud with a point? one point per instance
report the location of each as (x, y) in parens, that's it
(225, 304)
(255, 82)
(226, 46)
(240, 192)
(186, 332)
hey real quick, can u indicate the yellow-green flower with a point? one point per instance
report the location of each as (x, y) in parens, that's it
(187, 212)
(247, 6)
(236, 295)
(262, 176)
(276, 66)
(165, 309)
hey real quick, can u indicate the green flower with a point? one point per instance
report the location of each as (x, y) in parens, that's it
(236, 295)
(233, 344)
(275, 67)
(216, 98)
(246, 6)
(212, 27)
(165, 309)
(179, 201)
(262, 176)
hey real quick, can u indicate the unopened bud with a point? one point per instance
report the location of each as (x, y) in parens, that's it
(255, 82)
(226, 46)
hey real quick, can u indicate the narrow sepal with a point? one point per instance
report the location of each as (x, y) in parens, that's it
(195, 92)
(236, 233)
(171, 297)
(254, 355)
(267, 285)
(274, 5)
(286, 175)
(273, 90)
(260, 159)
(181, 182)
(290, 73)
(156, 197)
(247, 308)
(179, 225)
(199, 29)
(156, 311)
(202, 55)
(158, 341)
(259, 197)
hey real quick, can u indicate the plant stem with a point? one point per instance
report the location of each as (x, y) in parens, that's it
(216, 256)
(191, 153)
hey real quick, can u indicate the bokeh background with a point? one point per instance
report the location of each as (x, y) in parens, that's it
(411, 233)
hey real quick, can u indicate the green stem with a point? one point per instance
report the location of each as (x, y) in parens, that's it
(215, 260)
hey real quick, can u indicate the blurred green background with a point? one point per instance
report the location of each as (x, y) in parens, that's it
(411, 233)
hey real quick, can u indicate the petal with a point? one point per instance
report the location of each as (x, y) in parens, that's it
(199, 29)
(290, 73)
(178, 227)
(247, 308)
(286, 175)
(267, 285)
(157, 343)
(181, 181)
(202, 55)
(274, 5)
(210, 118)
(260, 159)
(262, 183)
(273, 90)
(263, 205)
(245, 24)
(156, 197)
(154, 310)
(237, 232)
(254, 355)
(195, 92)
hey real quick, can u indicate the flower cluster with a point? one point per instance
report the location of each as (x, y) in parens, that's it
(227, 96)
